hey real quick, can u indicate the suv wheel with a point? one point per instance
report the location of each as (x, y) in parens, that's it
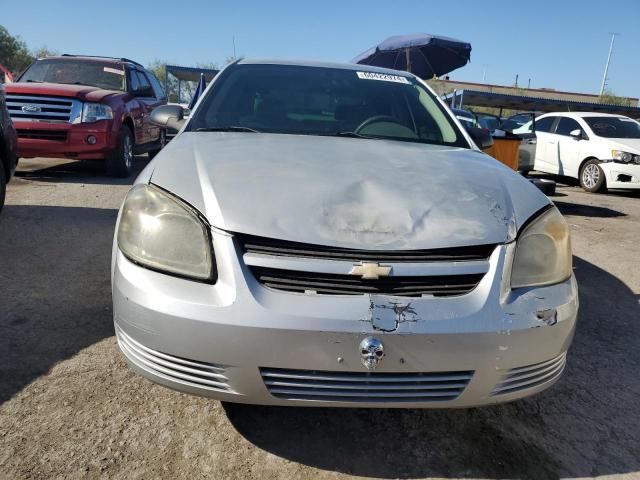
(162, 141)
(3, 185)
(120, 162)
(592, 177)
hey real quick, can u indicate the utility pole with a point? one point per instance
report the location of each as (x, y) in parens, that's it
(606, 67)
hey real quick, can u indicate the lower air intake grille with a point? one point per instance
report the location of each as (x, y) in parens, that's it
(53, 135)
(364, 386)
(189, 372)
(531, 376)
(333, 284)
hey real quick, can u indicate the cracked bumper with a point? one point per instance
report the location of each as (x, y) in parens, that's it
(219, 340)
(621, 175)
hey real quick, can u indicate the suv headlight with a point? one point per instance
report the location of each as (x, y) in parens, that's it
(160, 232)
(543, 252)
(624, 157)
(92, 112)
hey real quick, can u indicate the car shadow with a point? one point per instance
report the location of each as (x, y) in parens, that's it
(580, 209)
(79, 171)
(44, 285)
(586, 425)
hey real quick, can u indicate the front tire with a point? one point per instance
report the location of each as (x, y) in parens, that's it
(162, 141)
(120, 161)
(592, 178)
(3, 185)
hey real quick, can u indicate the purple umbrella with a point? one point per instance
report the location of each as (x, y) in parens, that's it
(419, 53)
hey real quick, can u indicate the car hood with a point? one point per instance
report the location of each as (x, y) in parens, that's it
(345, 192)
(81, 92)
(631, 145)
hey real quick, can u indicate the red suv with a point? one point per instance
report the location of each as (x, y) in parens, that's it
(86, 108)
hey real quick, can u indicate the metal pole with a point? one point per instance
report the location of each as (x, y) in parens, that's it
(606, 67)
(408, 57)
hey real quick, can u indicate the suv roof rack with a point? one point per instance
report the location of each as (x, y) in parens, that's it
(122, 59)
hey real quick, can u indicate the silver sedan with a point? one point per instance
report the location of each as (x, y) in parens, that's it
(329, 235)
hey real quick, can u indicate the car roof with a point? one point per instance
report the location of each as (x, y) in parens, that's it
(91, 58)
(341, 66)
(580, 114)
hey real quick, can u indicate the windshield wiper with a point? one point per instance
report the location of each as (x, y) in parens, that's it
(347, 134)
(34, 81)
(230, 128)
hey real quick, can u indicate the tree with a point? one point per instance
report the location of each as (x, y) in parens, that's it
(44, 52)
(609, 98)
(14, 54)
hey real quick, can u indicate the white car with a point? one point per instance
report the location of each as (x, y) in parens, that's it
(599, 149)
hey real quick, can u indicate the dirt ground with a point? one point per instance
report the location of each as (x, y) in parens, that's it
(70, 407)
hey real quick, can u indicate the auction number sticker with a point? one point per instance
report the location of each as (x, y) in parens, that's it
(385, 77)
(113, 70)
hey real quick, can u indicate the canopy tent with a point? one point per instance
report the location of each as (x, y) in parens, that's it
(475, 98)
(187, 74)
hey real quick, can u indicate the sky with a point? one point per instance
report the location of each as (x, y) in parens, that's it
(561, 44)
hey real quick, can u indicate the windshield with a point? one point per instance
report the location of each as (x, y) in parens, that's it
(108, 76)
(325, 101)
(614, 127)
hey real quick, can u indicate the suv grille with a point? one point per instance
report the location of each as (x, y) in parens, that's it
(364, 386)
(36, 107)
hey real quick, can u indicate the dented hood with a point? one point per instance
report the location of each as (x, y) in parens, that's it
(347, 192)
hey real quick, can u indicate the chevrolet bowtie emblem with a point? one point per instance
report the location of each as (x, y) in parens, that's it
(370, 270)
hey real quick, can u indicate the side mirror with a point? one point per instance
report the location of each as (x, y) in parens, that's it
(481, 137)
(168, 116)
(576, 134)
(143, 91)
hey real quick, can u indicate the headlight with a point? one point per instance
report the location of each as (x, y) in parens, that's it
(92, 112)
(625, 157)
(160, 232)
(543, 252)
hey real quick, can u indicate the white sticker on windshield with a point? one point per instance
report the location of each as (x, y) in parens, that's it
(625, 119)
(385, 77)
(113, 70)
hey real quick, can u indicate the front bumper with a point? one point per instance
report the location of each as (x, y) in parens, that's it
(224, 340)
(65, 140)
(621, 175)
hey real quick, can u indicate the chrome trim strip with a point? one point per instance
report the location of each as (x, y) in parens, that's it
(343, 267)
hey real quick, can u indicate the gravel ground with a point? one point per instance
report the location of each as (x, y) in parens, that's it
(70, 407)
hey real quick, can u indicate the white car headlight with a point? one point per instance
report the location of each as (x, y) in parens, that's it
(92, 112)
(543, 252)
(160, 232)
(625, 157)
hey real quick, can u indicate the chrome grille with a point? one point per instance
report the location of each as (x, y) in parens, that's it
(188, 372)
(364, 386)
(531, 376)
(23, 107)
(332, 284)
